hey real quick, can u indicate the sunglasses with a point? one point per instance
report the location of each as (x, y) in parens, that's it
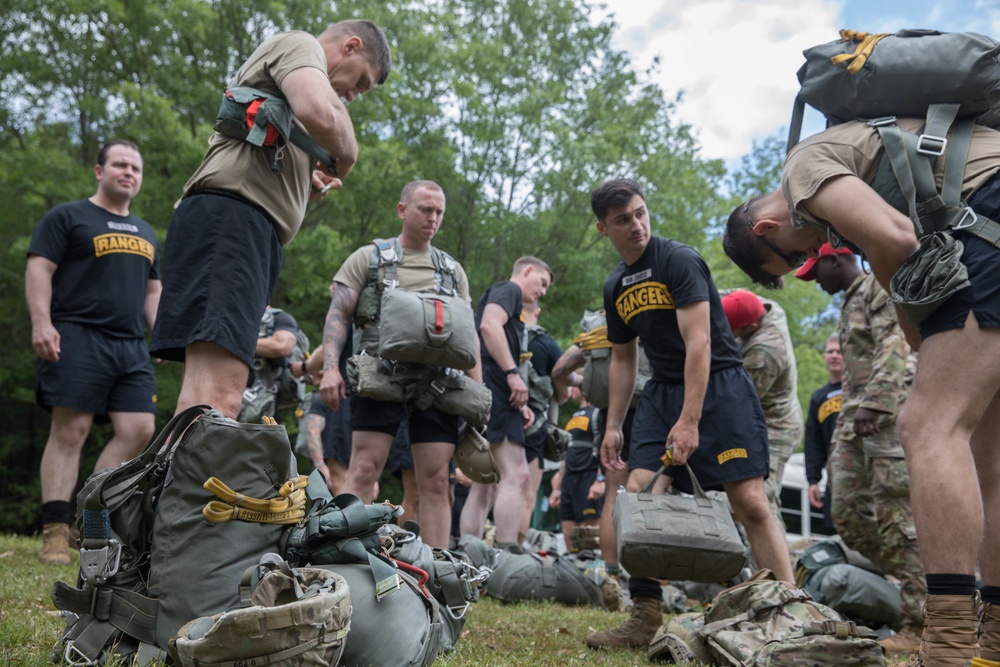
(794, 260)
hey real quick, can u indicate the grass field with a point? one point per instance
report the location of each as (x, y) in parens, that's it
(495, 634)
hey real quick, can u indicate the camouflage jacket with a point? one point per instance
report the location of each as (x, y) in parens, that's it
(769, 358)
(878, 363)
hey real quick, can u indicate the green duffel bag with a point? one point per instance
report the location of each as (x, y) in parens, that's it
(542, 576)
(427, 328)
(287, 617)
(858, 594)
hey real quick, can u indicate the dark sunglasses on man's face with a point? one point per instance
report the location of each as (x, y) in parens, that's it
(794, 260)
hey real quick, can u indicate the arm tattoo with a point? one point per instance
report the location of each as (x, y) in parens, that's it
(571, 360)
(338, 323)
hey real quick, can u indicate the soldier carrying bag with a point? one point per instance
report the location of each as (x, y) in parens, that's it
(677, 536)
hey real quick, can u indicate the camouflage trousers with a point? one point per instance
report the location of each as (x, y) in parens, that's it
(871, 512)
(780, 448)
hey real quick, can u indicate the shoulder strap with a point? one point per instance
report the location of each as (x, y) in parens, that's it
(445, 272)
(913, 157)
(382, 264)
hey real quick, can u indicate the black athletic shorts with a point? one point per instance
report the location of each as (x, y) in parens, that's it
(336, 429)
(221, 262)
(573, 502)
(505, 422)
(732, 433)
(602, 418)
(96, 373)
(430, 425)
(400, 454)
(534, 444)
(982, 297)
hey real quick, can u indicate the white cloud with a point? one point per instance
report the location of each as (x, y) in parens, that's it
(735, 60)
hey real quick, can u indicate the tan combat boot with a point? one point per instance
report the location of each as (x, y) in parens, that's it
(55, 543)
(903, 642)
(636, 632)
(950, 629)
(989, 633)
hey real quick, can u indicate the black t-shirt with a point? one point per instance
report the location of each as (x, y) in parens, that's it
(104, 263)
(582, 426)
(507, 295)
(642, 300)
(824, 407)
(545, 352)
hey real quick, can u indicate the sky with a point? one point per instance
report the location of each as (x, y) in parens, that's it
(735, 60)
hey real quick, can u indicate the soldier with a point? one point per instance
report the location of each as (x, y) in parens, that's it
(761, 328)
(871, 485)
(824, 408)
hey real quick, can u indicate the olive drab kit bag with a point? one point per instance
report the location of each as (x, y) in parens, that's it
(874, 77)
(677, 536)
(764, 622)
(542, 576)
(202, 503)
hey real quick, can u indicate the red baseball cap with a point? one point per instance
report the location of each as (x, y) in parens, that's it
(808, 270)
(743, 308)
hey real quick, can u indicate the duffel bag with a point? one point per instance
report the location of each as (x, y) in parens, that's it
(677, 536)
(542, 576)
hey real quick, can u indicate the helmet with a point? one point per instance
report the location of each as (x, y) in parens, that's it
(473, 456)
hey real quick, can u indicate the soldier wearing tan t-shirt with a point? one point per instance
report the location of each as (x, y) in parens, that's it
(244, 203)
(433, 433)
(951, 421)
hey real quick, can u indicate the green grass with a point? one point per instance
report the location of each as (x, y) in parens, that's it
(495, 633)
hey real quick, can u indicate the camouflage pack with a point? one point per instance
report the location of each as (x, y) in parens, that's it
(286, 617)
(765, 622)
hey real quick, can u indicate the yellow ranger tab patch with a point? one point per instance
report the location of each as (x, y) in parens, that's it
(642, 297)
(581, 422)
(107, 244)
(731, 454)
(830, 406)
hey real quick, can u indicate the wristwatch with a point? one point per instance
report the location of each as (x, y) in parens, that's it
(512, 371)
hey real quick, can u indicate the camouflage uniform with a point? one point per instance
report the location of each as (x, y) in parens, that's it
(871, 484)
(770, 359)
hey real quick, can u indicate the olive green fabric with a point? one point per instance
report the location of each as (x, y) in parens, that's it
(401, 630)
(188, 552)
(427, 328)
(929, 276)
(675, 536)
(549, 576)
(286, 618)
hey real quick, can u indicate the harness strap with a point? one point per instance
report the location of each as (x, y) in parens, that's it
(122, 609)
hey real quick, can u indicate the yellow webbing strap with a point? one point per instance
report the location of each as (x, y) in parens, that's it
(595, 339)
(866, 43)
(288, 507)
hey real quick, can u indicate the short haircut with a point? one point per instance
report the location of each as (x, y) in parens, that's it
(373, 42)
(832, 337)
(613, 193)
(745, 249)
(523, 262)
(413, 186)
(102, 155)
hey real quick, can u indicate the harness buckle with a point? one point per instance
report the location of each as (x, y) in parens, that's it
(96, 565)
(931, 146)
(968, 219)
(458, 611)
(75, 657)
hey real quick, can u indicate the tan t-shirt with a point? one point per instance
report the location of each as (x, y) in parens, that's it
(415, 271)
(854, 148)
(239, 167)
